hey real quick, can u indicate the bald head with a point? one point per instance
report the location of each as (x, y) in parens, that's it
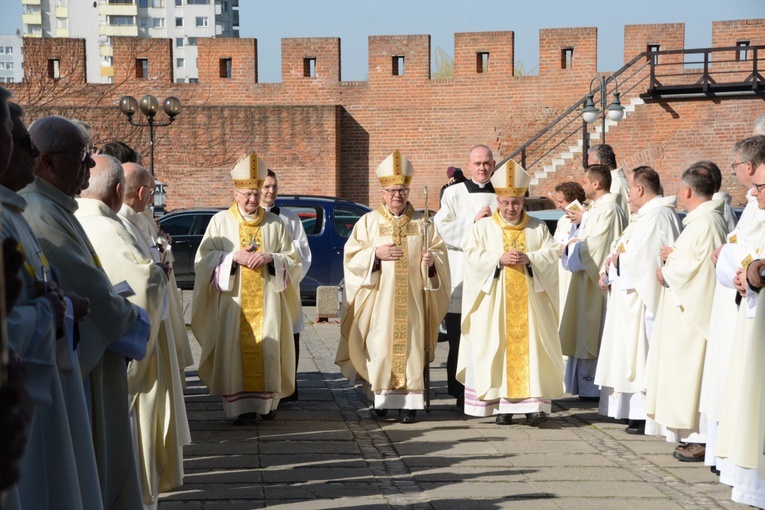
(107, 182)
(139, 186)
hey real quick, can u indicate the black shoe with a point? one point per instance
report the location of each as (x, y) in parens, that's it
(589, 399)
(407, 415)
(269, 416)
(291, 398)
(504, 419)
(535, 419)
(714, 470)
(246, 419)
(636, 427)
(461, 402)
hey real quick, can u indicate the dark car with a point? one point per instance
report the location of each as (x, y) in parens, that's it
(327, 221)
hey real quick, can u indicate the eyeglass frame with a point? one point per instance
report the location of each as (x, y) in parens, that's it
(393, 192)
(85, 152)
(733, 166)
(758, 187)
(152, 188)
(249, 196)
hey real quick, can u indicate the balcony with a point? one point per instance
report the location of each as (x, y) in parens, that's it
(32, 19)
(62, 32)
(106, 51)
(30, 2)
(62, 12)
(105, 9)
(107, 71)
(119, 30)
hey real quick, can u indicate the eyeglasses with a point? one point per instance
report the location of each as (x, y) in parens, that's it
(400, 192)
(151, 189)
(252, 197)
(26, 145)
(84, 153)
(734, 165)
(758, 187)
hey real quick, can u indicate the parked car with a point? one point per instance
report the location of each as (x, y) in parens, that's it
(328, 222)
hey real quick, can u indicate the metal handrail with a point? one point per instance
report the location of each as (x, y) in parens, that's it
(629, 82)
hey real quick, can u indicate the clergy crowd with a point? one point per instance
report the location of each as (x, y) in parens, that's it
(650, 314)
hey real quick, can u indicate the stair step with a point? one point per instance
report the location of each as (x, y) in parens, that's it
(566, 155)
(548, 168)
(534, 182)
(575, 148)
(558, 162)
(540, 175)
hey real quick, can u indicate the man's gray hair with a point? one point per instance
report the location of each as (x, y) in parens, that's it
(49, 134)
(85, 129)
(104, 178)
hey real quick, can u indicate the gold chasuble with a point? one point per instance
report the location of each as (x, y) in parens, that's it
(251, 317)
(516, 310)
(385, 326)
(242, 317)
(510, 357)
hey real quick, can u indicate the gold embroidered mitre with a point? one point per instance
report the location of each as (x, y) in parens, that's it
(395, 169)
(250, 172)
(510, 180)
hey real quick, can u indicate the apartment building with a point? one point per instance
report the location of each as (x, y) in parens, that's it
(11, 59)
(97, 21)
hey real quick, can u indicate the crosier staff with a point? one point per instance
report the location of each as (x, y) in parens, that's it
(428, 289)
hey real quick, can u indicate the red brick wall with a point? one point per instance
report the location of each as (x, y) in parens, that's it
(326, 136)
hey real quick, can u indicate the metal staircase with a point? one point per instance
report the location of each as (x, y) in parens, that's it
(652, 76)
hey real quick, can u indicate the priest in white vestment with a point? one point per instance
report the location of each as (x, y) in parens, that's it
(54, 384)
(676, 357)
(630, 272)
(566, 193)
(295, 229)
(739, 439)
(581, 325)
(603, 154)
(463, 204)
(510, 357)
(396, 294)
(245, 302)
(741, 240)
(154, 383)
(114, 329)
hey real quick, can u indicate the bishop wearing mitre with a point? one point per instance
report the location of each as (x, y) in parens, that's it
(510, 356)
(245, 301)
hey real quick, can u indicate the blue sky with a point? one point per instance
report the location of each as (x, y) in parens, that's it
(354, 20)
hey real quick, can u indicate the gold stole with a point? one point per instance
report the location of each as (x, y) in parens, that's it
(399, 229)
(516, 310)
(251, 315)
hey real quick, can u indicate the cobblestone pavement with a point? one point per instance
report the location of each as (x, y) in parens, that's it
(329, 451)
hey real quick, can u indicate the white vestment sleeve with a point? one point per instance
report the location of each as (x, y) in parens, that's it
(281, 278)
(372, 276)
(222, 280)
(571, 259)
(726, 267)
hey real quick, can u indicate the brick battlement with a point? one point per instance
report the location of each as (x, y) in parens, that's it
(326, 136)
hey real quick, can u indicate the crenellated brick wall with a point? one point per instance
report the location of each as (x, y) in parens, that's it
(326, 136)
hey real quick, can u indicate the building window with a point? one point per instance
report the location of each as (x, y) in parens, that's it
(54, 68)
(193, 80)
(143, 3)
(178, 22)
(158, 22)
(179, 3)
(179, 42)
(398, 65)
(141, 68)
(309, 67)
(741, 54)
(191, 41)
(120, 21)
(180, 80)
(482, 62)
(198, 2)
(62, 22)
(566, 58)
(9, 50)
(225, 68)
(143, 22)
(202, 21)
(179, 62)
(2, 49)
(224, 6)
(157, 3)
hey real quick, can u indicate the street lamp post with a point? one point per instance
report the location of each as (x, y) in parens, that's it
(149, 106)
(590, 113)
